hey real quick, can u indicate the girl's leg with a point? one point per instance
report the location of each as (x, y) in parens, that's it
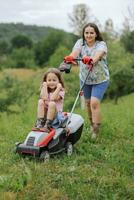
(41, 110)
(41, 114)
(51, 113)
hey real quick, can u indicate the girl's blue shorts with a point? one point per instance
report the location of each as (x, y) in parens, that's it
(59, 118)
(96, 90)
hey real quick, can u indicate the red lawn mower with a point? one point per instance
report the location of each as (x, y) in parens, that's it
(41, 144)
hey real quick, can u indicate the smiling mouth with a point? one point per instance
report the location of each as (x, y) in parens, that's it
(53, 86)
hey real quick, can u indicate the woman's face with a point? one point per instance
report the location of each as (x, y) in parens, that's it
(90, 35)
(52, 80)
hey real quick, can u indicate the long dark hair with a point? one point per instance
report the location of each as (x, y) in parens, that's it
(56, 72)
(96, 29)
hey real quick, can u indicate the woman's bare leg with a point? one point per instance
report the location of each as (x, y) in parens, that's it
(88, 107)
(96, 115)
(95, 109)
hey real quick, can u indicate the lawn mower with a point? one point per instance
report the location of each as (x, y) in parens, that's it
(41, 144)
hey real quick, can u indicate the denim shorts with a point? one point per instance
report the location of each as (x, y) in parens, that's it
(96, 90)
(58, 120)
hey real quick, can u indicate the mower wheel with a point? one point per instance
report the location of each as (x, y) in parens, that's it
(44, 156)
(69, 148)
(15, 148)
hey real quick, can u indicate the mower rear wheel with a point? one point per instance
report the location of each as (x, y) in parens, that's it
(69, 148)
(44, 156)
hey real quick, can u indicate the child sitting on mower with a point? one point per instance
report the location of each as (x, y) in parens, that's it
(50, 104)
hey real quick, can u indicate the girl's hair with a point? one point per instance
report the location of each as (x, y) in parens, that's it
(96, 29)
(56, 72)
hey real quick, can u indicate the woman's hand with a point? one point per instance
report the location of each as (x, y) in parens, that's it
(87, 60)
(69, 60)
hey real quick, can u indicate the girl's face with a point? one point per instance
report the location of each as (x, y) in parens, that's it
(52, 80)
(90, 35)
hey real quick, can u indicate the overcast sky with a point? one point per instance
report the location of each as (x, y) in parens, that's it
(55, 12)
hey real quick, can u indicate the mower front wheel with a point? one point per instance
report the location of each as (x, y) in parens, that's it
(44, 156)
(69, 148)
(16, 146)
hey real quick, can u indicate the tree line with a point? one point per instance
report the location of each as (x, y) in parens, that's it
(38, 47)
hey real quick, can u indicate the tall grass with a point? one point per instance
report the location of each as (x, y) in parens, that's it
(100, 170)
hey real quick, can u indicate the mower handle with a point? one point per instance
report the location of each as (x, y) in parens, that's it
(80, 59)
(77, 59)
(66, 67)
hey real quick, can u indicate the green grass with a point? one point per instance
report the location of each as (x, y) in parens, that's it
(100, 170)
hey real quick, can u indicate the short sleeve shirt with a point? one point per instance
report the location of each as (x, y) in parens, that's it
(100, 72)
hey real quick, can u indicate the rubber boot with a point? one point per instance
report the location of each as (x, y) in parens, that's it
(40, 122)
(47, 126)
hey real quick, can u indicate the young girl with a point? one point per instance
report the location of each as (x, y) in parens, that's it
(50, 104)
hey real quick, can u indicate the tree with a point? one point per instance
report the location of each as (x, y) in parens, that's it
(47, 47)
(22, 58)
(121, 66)
(20, 41)
(109, 29)
(57, 57)
(79, 17)
(44, 49)
(129, 19)
(4, 48)
(127, 39)
(122, 81)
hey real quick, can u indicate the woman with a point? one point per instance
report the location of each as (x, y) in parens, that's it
(93, 50)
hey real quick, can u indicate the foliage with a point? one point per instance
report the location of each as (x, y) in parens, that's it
(10, 30)
(45, 49)
(4, 48)
(127, 39)
(20, 41)
(122, 83)
(58, 56)
(22, 58)
(14, 92)
(121, 68)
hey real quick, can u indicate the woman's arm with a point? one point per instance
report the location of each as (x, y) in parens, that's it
(44, 91)
(75, 53)
(98, 56)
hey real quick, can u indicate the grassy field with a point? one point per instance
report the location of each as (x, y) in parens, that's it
(101, 170)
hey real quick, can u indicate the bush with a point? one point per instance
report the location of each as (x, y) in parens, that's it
(22, 58)
(58, 56)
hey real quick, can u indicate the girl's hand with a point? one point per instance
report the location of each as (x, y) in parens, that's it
(59, 86)
(44, 84)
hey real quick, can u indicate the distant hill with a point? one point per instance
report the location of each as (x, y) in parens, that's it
(9, 30)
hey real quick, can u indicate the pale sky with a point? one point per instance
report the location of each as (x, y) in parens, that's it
(55, 12)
